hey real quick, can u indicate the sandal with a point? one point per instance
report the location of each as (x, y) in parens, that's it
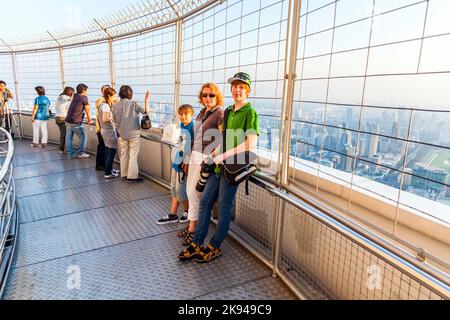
(182, 233)
(187, 240)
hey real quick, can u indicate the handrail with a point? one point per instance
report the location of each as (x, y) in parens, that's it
(8, 212)
(431, 277)
(427, 274)
(5, 166)
(391, 253)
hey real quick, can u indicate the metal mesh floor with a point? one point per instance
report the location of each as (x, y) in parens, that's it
(74, 223)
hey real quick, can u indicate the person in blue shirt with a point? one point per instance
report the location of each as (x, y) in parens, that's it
(180, 167)
(40, 117)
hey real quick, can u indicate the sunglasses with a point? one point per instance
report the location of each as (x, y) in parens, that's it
(211, 95)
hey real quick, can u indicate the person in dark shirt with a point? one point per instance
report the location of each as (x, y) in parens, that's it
(5, 96)
(78, 109)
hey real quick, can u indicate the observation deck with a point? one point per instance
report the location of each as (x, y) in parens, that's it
(73, 222)
(353, 193)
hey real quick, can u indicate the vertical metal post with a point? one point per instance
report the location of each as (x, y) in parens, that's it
(291, 77)
(179, 44)
(112, 73)
(61, 67)
(294, 17)
(16, 87)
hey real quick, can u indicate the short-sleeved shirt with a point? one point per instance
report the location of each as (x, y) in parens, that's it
(97, 111)
(241, 124)
(2, 103)
(207, 137)
(126, 116)
(77, 109)
(43, 104)
(184, 147)
(104, 107)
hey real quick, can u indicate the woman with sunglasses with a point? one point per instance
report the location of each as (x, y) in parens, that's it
(207, 137)
(242, 131)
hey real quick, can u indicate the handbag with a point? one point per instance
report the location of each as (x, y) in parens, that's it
(171, 133)
(146, 123)
(240, 167)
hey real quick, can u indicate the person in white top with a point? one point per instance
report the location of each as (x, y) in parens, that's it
(61, 107)
(108, 131)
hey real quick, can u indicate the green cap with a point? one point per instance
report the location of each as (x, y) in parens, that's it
(241, 76)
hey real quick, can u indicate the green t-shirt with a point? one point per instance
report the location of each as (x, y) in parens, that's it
(241, 124)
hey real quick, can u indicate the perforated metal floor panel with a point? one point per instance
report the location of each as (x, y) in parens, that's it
(82, 237)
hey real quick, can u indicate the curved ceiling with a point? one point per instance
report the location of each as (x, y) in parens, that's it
(142, 16)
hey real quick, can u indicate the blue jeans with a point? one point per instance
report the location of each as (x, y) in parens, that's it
(217, 188)
(110, 156)
(79, 130)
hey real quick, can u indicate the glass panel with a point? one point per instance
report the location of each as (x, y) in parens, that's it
(349, 10)
(398, 58)
(399, 25)
(427, 91)
(437, 19)
(435, 54)
(41, 69)
(321, 19)
(431, 127)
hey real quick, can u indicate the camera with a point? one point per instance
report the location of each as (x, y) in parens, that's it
(208, 167)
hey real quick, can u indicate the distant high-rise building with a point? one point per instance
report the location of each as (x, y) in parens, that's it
(363, 146)
(349, 118)
(348, 160)
(373, 140)
(407, 177)
(429, 178)
(375, 162)
(385, 145)
(269, 138)
(344, 141)
(395, 133)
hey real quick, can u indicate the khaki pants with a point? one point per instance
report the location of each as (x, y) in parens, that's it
(40, 126)
(129, 151)
(195, 166)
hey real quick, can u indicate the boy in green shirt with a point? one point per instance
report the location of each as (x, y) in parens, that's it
(241, 136)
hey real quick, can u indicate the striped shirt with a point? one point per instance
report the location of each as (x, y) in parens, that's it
(126, 116)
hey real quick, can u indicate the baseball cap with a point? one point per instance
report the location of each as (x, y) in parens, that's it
(241, 76)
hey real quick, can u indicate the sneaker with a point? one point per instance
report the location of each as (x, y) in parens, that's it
(43, 145)
(184, 218)
(190, 252)
(208, 254)
(83, 155)
(33, 145)
(182, 233)
(116, 171)
(167, 219)
(112, 176)
(62, 152)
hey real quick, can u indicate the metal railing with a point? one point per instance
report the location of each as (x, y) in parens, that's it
(204, 46)
(388, 272)
(315, 250)
(8, 209)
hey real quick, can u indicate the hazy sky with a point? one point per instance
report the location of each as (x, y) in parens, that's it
(27, 17)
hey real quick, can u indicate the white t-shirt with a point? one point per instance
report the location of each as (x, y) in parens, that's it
(61, 106)
(106, 107)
